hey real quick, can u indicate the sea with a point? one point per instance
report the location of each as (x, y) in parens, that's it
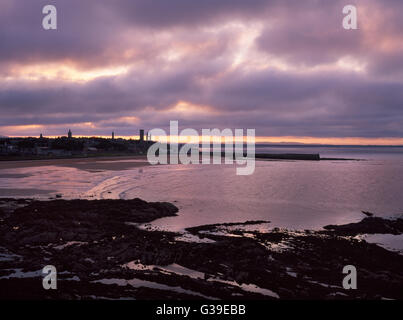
(289, 194)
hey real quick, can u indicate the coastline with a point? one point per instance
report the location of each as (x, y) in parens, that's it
(100, 252)
(90, 163)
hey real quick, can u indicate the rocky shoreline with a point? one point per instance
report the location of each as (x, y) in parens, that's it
(100, 252)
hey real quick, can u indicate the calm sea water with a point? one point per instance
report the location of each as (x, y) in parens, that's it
(291, 194)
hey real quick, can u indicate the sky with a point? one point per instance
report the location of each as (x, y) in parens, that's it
(286, 68)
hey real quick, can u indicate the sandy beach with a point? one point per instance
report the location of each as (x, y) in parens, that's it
(91, 165)
(88, 164)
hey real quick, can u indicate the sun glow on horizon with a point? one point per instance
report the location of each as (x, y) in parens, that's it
(353, 141)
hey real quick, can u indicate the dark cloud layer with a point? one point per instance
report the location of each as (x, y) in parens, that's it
(303, 75)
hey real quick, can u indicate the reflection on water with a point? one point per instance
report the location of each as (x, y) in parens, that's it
(292, 194)
(68, 181)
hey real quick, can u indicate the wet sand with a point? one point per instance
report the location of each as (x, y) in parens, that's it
(91, 165)
(10, 192)
(88, 164)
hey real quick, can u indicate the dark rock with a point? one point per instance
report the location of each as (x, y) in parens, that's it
(92, 240)
(368, 214)
(368, 225)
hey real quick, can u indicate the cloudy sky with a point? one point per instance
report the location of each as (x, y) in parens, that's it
(283, 67)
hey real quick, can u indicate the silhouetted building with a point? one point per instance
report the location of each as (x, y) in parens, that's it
(41, 136)
(113, 135)
(141, 134)
(69, 134)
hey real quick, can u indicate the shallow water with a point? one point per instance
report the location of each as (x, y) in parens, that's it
(291, 194)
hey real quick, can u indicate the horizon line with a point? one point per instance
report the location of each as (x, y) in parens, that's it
(284, 140)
